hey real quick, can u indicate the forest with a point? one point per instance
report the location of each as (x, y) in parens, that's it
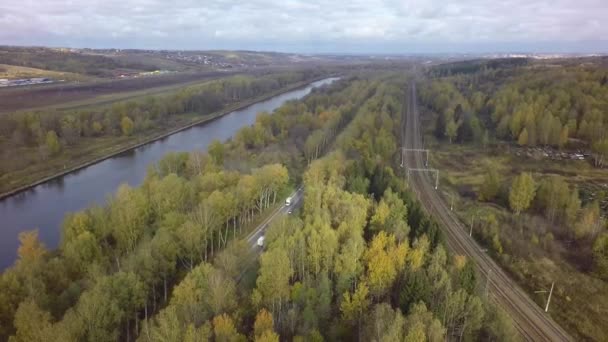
(44, 139)
(167, 261)
(532, 106)
(543, 219)
(561, 108)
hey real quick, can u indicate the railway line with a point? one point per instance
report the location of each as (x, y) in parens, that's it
(530, 320)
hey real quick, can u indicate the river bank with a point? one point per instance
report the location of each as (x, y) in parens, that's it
(132, 144)
(45, 206)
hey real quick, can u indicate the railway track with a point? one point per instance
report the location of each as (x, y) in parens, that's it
(530, 320)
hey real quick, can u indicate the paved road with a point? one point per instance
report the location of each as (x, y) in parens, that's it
(296, 202)
(530, 320)
(260, 230)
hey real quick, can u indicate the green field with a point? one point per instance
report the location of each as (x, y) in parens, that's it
(16, 72)
(104, 100)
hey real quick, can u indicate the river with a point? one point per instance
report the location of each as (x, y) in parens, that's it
(43, 207)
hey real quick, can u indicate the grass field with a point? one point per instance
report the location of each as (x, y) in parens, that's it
(68, 95)
(16, 72)
(535, 262)
(108, 99)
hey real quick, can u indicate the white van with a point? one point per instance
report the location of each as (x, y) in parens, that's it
(288, 201)
(260, 242)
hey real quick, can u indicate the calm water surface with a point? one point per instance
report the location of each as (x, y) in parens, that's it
(45, 205)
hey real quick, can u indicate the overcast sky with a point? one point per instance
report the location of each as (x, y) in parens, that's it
(350, 26)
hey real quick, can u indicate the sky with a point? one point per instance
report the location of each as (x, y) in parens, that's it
(311, 26)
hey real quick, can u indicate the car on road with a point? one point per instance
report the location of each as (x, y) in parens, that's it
(260, 242)
(288, 201)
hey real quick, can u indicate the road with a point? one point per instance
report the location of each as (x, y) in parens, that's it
(296, 202)
(260, 230)
(530, 320)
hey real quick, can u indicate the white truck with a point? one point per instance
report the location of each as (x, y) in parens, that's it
(288, 201)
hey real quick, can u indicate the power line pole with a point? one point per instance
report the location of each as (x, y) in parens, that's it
(425, 170)
(488, 281)
(423, 150)
(472, 222)
(548, 298)
(436, 179)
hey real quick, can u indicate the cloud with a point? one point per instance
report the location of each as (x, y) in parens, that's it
(301, 24)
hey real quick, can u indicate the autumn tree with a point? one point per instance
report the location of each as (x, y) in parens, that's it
(485, 139)
(465, 273)
(167, 327)
(173, 162)
(111, 302)
(451, 129)
(71, 128)
(391, 216)
(268, 336)
(270, 179)
(224, 329)
(348, 266)
(600, 152)
(384, 324)
(491, 185)
(572, 208)
(83, 251)
(499, 326)
(97, 128)
(353, 306)
(204, 292)
(231, 258)
(30, 248)
(52, 143)
(164, 251)
(465, 313)
(522, 140)
(589, 222)
(129, 213)
(563, 137)
(126, 125)
(522, 192)
(263, 328)
(420, 324)
(216, 151)
(553, 196)
(490, 232)
(31, 323)
(384, 259)
(272, 285)
(600, 255)
(170, 194)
